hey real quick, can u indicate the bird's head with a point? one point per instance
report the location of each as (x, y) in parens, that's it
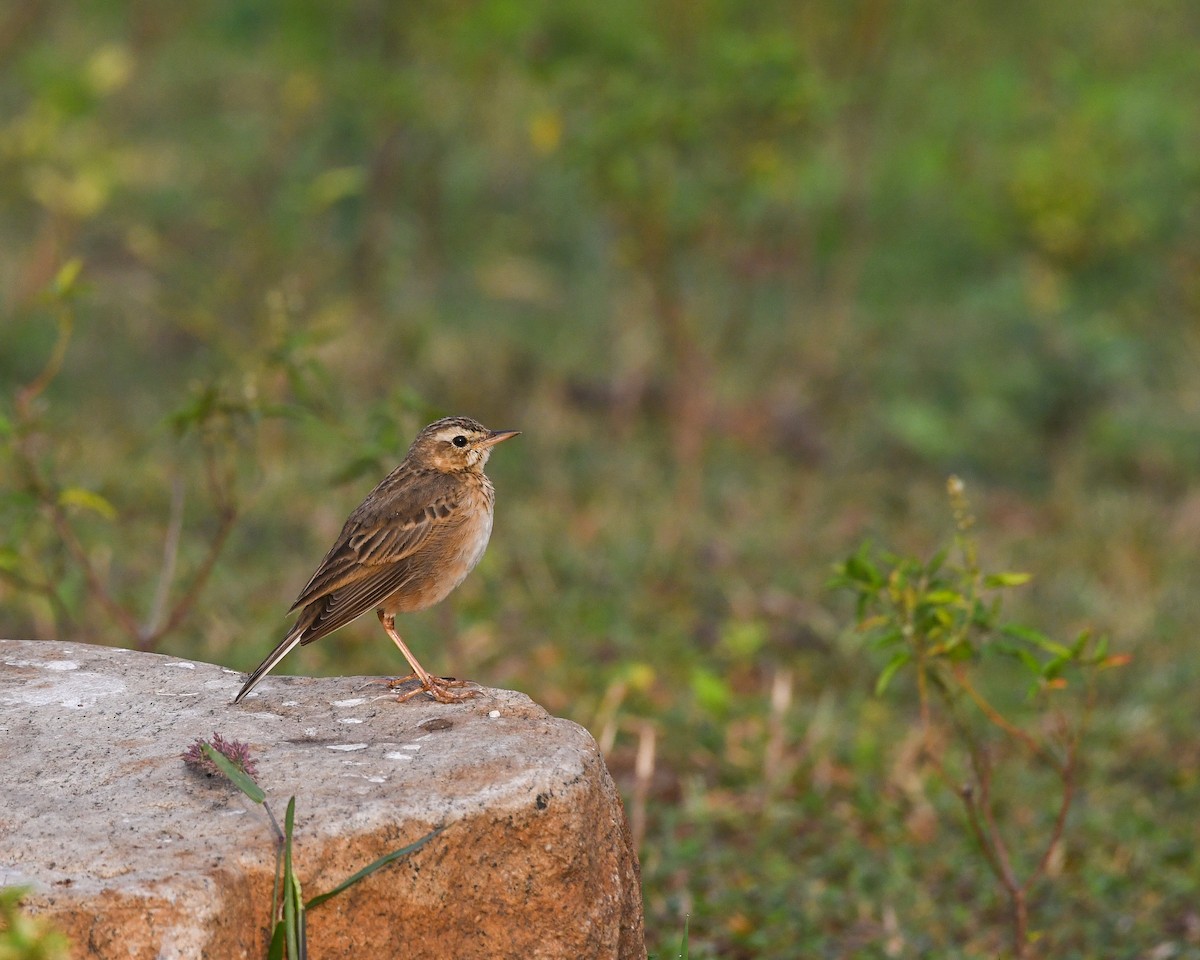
(456, 444)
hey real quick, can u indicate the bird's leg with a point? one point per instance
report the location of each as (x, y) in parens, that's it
(437, 687)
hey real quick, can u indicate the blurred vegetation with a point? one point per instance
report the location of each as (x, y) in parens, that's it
(941, 622)
(752, 279)
(23, 937)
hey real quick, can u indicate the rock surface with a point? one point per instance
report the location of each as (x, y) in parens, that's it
(134, 854)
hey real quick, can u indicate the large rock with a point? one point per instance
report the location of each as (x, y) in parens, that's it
(134, 854)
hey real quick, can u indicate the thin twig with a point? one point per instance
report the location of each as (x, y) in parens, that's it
(643, 770)
(31, 391)
(219, 491)
(199, 578)
(606, 716)
(966, 793)
(1064, 806)
(1001, 721)
(1007, 877)
(777, 762)
(170, 556)
(984, 775)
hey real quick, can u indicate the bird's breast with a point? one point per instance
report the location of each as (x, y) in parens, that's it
(475, 542)
(448, 557)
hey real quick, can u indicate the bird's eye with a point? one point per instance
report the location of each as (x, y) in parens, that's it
(459, 441)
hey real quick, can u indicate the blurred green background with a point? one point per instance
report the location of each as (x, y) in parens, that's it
(752, 279)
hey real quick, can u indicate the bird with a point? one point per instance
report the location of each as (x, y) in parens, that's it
(413, 539)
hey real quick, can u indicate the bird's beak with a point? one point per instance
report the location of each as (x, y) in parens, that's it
(498, 436)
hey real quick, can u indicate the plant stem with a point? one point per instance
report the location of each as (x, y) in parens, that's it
(999, 720)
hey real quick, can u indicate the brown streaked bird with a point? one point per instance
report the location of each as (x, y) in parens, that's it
(405, 547)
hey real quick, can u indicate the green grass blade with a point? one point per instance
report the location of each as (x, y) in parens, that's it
(372, 867)
(278, 948)
(234, 774)
(292, 907)
(277, 888)
(683, 944)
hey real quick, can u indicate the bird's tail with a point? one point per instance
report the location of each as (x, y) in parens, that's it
(285, 646)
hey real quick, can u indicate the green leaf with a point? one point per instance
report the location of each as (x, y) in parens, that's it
(234, 774)
(1021, 654)
(372, 867)
(1038, 639)
(67, 276)
(1080, 644)
(278, 948)
(888, 638)
(683, 943)
(936, 561)
(87, 500)
(956, 648)
(1007, 579)
(859, 567)
(941, 597)
(293, 905)
(885, 677)
(942, 618)
(1058, 650)
(897, 582)
(336, 184)
(710, 690)
(858, 571)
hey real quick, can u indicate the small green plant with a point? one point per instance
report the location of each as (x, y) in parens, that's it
(231, 759)
(27, 938)
(940, 621)
(683, 941)
(682, 952)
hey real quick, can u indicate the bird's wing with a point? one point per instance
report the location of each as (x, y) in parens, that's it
(337, 608)
(376, 539)
(359, 553)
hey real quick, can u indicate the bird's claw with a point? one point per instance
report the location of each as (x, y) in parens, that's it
(441, 689)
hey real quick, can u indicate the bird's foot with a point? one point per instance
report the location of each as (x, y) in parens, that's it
(442, 689)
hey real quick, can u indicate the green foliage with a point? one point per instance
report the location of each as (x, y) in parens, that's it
(682, 952)
(27, 938)
(933, 616)
(941, 620)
